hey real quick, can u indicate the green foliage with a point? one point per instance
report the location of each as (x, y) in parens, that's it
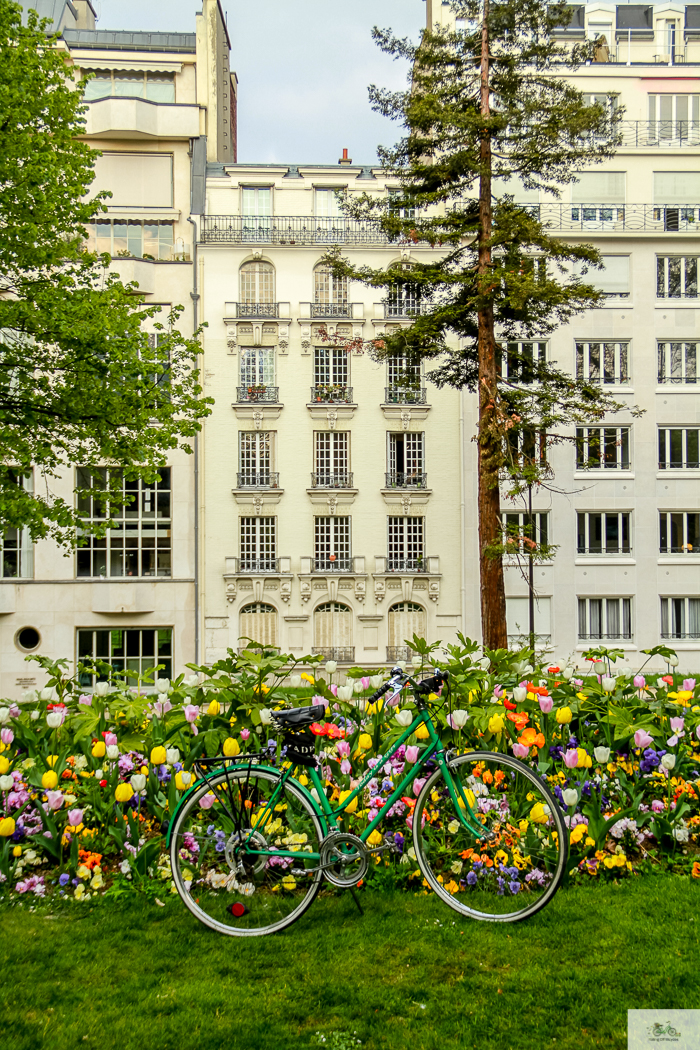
(80, 381)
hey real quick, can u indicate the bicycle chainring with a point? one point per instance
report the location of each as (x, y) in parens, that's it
(344, 859)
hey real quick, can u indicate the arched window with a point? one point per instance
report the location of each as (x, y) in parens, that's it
(330, 293)
(405, 620)
(333, 631)
(259, 622)
(257, 283)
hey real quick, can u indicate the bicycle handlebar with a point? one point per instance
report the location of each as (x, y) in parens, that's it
(428, 685)
(380, 692)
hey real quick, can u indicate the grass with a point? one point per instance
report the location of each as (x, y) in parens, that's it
(408, 973)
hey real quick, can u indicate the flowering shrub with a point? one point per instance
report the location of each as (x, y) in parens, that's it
(88, 781)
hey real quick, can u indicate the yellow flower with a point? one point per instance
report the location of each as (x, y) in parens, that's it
(231, 747)
(469, 795)
(590, 841)
(580, 696)
(214, 708)
(364, 742)
(352, 806)
(17, 851)
(289, 882)
(539, 813)
(452, 887)
(79, 892)
(496, 724)
(584, 760)
(4, 765)
(375, 839)
(184, 780)
(564, 716)
(98, 749)
(422, 733)
(49, 780)
(158, 756)
(83, 871)
(96, 882)
(308, 678)
(303, 780)
(51, 760)
(124, 792)
(261, 689)
(261, 817)
(577, 834)
(7, 827)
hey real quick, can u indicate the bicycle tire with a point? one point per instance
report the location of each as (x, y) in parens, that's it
(215, 889)
(498, 887)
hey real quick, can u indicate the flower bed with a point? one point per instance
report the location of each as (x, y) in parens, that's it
(88, 781)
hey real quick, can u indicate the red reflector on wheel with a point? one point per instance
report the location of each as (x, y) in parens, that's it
(238, 909)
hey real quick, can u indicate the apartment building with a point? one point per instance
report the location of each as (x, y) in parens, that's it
(153, 100)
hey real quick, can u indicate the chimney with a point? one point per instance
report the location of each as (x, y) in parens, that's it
(345, 159)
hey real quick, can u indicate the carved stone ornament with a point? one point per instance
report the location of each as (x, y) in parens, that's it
(406, 504)
(360, 588)
(332, 417)
(332, 505)
(257, 254)
(379, 590)
(405, 418)
(305, 589)
(405, 254)
(258, 505)
(434, 590)
(231, 341)
(305, 345)
(283, 345)
(231, 591)
(258, 419)
(286, 590)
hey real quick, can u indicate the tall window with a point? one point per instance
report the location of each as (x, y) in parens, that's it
(405, 460)
(256, 201)
(677, 276)
(332, 459)
(607, 533)
(155, 87)
(258, 622)
(518, 620)
(679, 533)
(677, 362)
(257, 366)
(678, 448)
(604, 618)
(606, 363)
(404, 381)
(405, 545)
(135, 651)
(144, 240)
(255, 458)
(257, 283)
(405, 620)
(396, 207)
(333, 631)
(527, 446)
(327, 205)
(600, 448)
(331, 369)
(680, 617)
(330, 294)
(519, 361)
(674, 116)
(332, 544)
(523, 530)
(258, 545)
(139, 541)
(16, 548)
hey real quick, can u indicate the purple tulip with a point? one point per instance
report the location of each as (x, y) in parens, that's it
(412, 754)
(343, 748)
(520, 751)
(245, 733)
(75, 817)
(639, 681)
(191, 712)
(7, 736)
(85, 700)
(571, 758)
(688, 685)
(546, 703)
(319, 700)
(642, 738)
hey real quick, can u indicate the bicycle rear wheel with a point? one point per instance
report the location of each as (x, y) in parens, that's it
(222, 852)
(516, 870)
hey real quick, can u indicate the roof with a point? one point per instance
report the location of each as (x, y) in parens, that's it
(113, 40)
(53, 9)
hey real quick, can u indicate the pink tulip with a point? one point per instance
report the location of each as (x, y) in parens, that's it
(546, 703)
(520, 751)
(7, 736)
(14, 711)
(418, 785)
(365, 681)
(571, 758)
(319, 700)
(642, 738)
(677, 725)
(343, 748)
(639, 681)
(85, 700)
(161, 707)
(688, 685)
(498, 691)
(207, 801)
(191, 712)
(245, 733)
(54, 799)
(75, 817)
(412, 754)
(111, 739)
(345, 767)
(334, 689)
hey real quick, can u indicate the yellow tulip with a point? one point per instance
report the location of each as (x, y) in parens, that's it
(496, 724)
(98, 749)
(469, 795)
(17, 851)
(123, 793)
(375, 839)
(51, 760)
(158, 756)
(352, 806)
(214, 708)
(584, 760)
(422, 733)
(4, 766)
(538, 814)
(7, 827)
(303, 780)
(49, 780)
(564, 716)
(184, 780)
(231, 747)
(365, 742)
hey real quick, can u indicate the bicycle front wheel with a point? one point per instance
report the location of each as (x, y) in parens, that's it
(223, 847)
(515, 868)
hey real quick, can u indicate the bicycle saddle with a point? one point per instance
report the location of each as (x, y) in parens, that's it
(296, 717)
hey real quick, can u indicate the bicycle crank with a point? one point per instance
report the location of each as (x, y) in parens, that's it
(344, 859)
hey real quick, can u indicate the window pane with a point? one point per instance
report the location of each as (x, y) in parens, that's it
(160, 87)
(129, 85)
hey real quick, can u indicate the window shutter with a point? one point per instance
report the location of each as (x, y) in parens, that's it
(405, 620)
(615, 277)
(332, 626)
(259, 622)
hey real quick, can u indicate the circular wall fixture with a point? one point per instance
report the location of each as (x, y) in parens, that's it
(28, 639)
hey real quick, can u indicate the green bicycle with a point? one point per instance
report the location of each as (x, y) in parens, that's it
(250, 844)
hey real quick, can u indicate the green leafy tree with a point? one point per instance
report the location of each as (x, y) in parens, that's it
(488, 108)
(81, 382)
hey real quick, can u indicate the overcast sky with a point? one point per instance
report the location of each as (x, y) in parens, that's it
(303, 69)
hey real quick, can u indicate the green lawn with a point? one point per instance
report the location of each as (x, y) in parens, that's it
(408, 973)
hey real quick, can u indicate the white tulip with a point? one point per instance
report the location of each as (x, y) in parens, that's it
(673, 661)
(80, 762)
(34, 715)
(54, 719)
(295, 681)
(102, 688)
(376, 680)
(138, 781)
(29, 696)
(519, 694)
(598, 666)
(172, 755)
(404, 718)
(401, 664)
(266, 716)
(47, 694)
(331, 666)
(568, 673)
(417, 660)
(4, 715)
(570, 796)
(357, 686)
(113, 751)
(192, 680)
(186, 777)
(99, 773)
(668, 761)
(680, 834)
(602, 754)
(460, 718)
(527, 669)
(660, 684)
(7, 783)
(608, 684)
(345, 692)
(162, 684)
(484, 663)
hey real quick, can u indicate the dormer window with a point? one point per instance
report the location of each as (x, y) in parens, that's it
(127, 83)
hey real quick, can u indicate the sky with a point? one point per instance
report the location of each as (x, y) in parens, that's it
(303, 70)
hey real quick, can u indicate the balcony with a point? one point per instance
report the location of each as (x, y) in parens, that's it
(395, 395)
(138, 118)
(333, 563)
(295, 231)
(658, 134)
(265, 479)
(323, 480)
(330, 310)
(621, 218)
(258, 577)
(620, 636)
(344, 654)
(258, 394)
(331, 394)
(404, 309)
(252, 310)
(412, 579)
(266, 564)
(417, 564)
(398, 652)
(398, 480)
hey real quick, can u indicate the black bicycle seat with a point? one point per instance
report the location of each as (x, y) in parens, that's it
(296, 717)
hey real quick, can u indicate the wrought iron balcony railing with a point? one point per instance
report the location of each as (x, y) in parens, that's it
(331, 309)
(258, 564)
(516, 641)
(332, 563)
(398, 652)
(606, 552)
(324, 480)
(691, 379)
(256, 309)
(257, 392)
(293, 230)
(680, 634)
(410, 480)
(685, 548)
(619, 218)
(344, 654)
(397, 395)
(264, 479)
(597, 637)
(331, 393)
(406, 565)
(404, 307)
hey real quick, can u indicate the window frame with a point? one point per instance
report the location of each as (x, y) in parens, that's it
(168, 659)
(624, 525)
(623, 445)
(666, 529)
(602, 606)
(587, 365)
(690, 451)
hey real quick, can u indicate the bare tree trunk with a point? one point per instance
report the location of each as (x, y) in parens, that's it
(493, 600)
